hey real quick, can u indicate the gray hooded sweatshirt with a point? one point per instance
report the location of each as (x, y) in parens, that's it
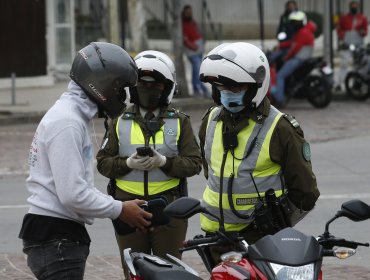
(61, 180)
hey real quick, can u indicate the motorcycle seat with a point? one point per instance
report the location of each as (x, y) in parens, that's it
(162, 270)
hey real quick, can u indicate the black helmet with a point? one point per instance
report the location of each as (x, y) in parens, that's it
(103, 70)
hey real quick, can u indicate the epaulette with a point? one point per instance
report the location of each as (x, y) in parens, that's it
(128, 116)
(172, 113)
(292, 120)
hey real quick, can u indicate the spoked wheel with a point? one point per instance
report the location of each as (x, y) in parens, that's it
(319, 91)
(356, 86)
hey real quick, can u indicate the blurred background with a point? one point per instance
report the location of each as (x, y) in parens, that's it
(40, 38)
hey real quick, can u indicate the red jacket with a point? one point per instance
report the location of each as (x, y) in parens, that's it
(190, 33)
(304, 37)
(345, 24)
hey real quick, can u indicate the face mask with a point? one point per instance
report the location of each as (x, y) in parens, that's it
(354, 11)
(232, 101)
(149, 97)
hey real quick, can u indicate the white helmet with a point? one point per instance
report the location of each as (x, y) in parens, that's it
(298, 16)
(237, 63)
(155, 66)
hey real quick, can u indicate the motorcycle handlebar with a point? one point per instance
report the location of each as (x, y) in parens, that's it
(329, 243)
(200, 241)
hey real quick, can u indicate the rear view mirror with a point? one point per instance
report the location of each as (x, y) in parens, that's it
(183, 208)
(355, 210)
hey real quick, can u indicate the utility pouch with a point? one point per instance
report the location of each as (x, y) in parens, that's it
(263, 219)
(279, 209)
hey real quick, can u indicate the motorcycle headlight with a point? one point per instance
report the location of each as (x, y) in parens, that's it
(284, 272)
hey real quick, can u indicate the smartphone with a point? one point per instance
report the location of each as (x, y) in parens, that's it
(144, 151)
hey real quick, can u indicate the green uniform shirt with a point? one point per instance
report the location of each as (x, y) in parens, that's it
(288, 148)
(186, 164)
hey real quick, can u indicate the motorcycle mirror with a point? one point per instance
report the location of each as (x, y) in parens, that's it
(355, 210)
(281, 36)
(183, 208)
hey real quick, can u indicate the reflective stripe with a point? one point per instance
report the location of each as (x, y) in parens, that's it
(231, 221)
(165, 143)
(266, 173)
(244, 185)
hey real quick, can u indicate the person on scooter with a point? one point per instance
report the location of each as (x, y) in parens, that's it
(151, 122)
(249, 147)
(301, 49)
(284, 33)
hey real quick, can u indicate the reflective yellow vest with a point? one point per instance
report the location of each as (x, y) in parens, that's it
(130, 136)
(266, 173)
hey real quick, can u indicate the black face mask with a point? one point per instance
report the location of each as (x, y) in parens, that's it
(149, 97)
(353, 11)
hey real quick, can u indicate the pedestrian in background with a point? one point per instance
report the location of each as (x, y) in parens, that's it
(351, 30)
(63, 197)
(151, 122)
(249, 148)
(194, 48)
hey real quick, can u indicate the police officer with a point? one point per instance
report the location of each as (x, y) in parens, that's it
(249, 147)
(176, 154)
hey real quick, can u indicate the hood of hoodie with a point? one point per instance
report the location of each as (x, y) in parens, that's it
(87, 107)
(311, 26)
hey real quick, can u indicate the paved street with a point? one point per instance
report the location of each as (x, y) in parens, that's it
(340, 137)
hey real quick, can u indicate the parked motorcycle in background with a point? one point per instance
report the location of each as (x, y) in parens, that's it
(313, 80)
(357, 81)
(286, 255)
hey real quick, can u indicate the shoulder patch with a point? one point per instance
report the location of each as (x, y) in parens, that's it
(171, 113)
(292, 120)
(306, 151)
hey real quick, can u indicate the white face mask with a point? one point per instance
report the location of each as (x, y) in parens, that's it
(232, 101)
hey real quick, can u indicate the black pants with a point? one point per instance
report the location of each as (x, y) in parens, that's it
(56, 259)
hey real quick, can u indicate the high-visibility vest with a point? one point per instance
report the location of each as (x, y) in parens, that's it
(266, 174)
(130, 136)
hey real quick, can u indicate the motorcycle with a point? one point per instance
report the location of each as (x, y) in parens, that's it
(357, 81)
(286, 255)
(313, 80)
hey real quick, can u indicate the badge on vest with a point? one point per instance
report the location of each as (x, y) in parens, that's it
(247, 201)
(306, 151)
(170, 132)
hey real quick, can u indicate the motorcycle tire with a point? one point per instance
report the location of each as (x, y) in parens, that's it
(356, 86)
(319, 91)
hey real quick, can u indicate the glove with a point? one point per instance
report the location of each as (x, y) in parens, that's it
(157, 160)
(139, 163)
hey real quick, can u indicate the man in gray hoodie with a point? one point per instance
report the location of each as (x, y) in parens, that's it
(63, 197)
